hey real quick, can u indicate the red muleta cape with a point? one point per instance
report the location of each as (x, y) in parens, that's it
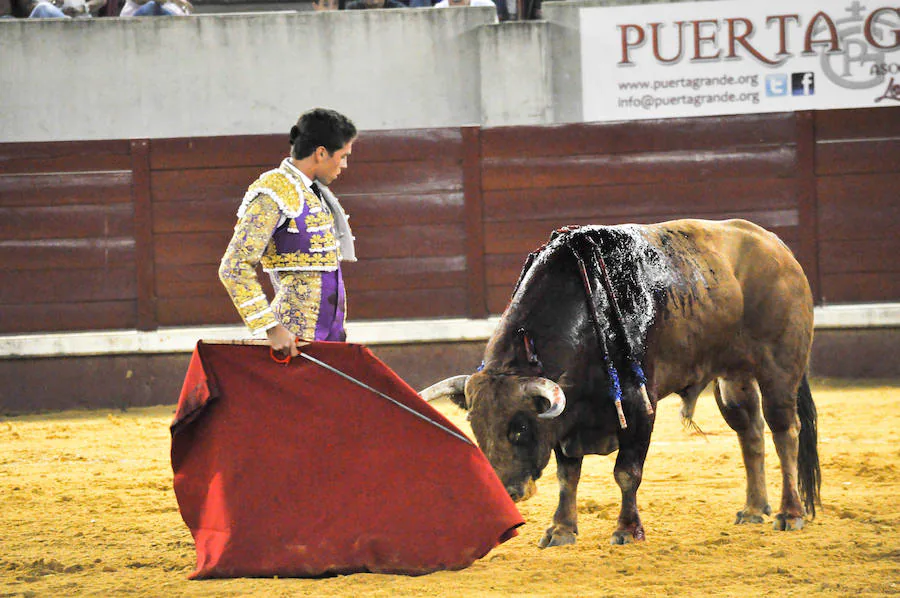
(292, 470)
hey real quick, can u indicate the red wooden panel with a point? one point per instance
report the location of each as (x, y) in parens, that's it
(409, 241)
(638, 136)
(64, 156)
(858, 123)
(47, 317)
(872, 256)
(372, 210)
(474, 213)
(498, 297)
(204, 184)
(408, 273)
(68, 221)
(188, 281)
(65, 253)
(661, 200)
(196, 311)
(269, 150)
(859, 287)
(410, 303)
(503, 269)
(578, 171)
(391, 209)
(408, 177)
(858, 207)
(263, 151)
(143, 235)
(56, 189)
(858, 156)
(403, 145)
(364, 210)
(792, 238)
(807, 247)
(194, 216)
(197, 280)
(197, 248)
(61, 286)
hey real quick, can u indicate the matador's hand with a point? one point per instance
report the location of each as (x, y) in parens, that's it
(281, 339)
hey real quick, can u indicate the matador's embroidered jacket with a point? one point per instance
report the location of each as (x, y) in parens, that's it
(300, 240)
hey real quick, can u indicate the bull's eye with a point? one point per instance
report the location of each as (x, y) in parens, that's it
(520, 431)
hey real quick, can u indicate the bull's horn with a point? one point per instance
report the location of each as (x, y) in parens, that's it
(551, 391)
(454, 385)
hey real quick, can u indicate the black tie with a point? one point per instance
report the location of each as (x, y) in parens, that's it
(318, 192)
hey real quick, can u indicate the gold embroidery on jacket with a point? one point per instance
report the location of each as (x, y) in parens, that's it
(322, 242)
(326, 260)
(283, 191)
(238, 268)
(318, 221)
(297, 300)
(278, 195)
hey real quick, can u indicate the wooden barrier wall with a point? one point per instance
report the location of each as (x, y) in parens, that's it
(537, 179)
(67, 237)
(128, 234)
(857, 174)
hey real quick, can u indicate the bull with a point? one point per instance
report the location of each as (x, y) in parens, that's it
(607, 320)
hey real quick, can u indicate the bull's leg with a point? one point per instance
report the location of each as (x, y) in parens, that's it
(628, 472)
(779, 391)
(565, 520)
(738, 401)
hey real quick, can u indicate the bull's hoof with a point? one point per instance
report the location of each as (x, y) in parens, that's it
(743, 517)
(557, 537)
(621, 537)
(752, 515)
(786, 523)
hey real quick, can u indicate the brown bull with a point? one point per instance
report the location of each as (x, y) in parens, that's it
(600, 310)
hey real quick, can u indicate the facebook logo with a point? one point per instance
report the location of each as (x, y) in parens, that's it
(776, 85)
(803, 84)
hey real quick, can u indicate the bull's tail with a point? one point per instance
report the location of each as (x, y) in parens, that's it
(809, 473)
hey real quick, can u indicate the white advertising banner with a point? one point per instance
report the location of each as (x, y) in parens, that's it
(738, 56)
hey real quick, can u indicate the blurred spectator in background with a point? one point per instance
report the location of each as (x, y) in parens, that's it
(366, 4)
(56, 9)
(156, 8)
(502, 10)
(328, 4)
(532, 10)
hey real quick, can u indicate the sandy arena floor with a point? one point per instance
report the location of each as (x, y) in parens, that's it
(87, 508)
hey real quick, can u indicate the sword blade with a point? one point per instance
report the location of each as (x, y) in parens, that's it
(346, 376)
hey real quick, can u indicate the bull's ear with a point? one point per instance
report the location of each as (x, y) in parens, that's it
(453, 388)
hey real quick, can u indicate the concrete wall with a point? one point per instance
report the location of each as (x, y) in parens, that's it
(253, 73)
(516, 67)
(241, 74)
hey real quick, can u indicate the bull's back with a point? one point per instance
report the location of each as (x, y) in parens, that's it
(738, 290)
